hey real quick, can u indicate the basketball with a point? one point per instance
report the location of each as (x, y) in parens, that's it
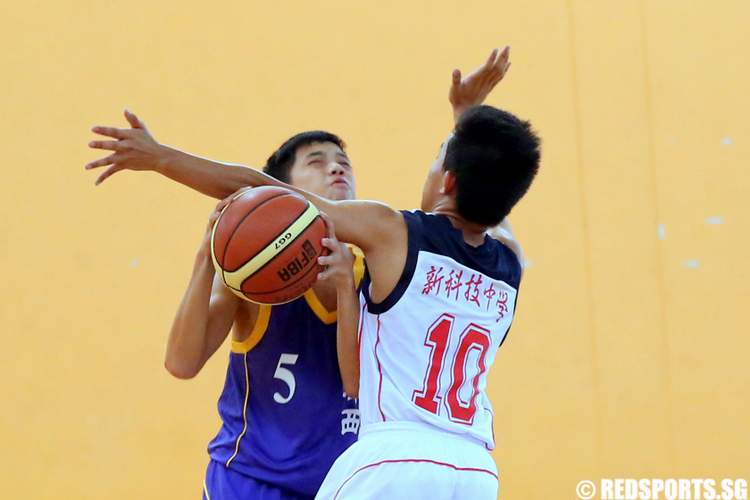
(265, 245)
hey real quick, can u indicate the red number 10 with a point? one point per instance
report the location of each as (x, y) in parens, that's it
(473, 337)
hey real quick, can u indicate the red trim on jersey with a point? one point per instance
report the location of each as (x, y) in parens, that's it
(414, 460)
(380, 371)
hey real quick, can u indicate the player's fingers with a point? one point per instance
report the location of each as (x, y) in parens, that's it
(324, 275)
(331, 244)
(491, 60)
(499, 76)
(116, 133)
(502, 60)
(222, 204)
(109, 145)
(212, 221)
(456, 77)
(111, 170)
(507, 67)
(101, 162)
(133, 120)
(325, 260)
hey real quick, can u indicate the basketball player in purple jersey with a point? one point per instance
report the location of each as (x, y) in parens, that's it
(317, 163)
(284, 416)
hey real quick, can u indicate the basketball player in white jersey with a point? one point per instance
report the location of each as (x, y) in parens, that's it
(436, 304)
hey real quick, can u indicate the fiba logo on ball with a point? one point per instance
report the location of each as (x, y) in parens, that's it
(306, 256)
(586, 490)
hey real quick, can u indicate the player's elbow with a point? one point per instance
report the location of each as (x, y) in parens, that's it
(180, 369)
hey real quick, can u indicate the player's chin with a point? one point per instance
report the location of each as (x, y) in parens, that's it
(340, 191)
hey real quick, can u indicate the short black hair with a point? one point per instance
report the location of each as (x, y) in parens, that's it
(281, 161)
(494, 156)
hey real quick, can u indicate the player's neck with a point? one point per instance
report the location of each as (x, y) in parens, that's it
(473, 233)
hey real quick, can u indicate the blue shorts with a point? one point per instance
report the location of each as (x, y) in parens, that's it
(223, 483)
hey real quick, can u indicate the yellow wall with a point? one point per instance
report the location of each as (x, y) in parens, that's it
(629, 353)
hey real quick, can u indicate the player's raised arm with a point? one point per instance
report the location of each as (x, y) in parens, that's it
(135, 148)
(472, 90)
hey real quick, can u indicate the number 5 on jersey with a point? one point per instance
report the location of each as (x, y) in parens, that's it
(286, 376)
(473, 337)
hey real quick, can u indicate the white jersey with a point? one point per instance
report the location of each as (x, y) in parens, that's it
(426, 349)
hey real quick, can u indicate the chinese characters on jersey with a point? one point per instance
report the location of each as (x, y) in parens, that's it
(455, 286)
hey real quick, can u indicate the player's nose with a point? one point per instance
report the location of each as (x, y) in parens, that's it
(334, 168)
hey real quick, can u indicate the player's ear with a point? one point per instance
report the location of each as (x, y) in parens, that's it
(448, 183)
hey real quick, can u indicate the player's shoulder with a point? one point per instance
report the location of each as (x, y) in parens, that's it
(435, 234)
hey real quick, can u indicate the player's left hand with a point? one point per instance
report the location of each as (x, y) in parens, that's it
(473, 89)
(134, 148)
(339, 263)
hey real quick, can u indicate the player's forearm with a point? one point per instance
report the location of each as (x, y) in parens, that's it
(186, 347)
(347, 344)
(212, 178)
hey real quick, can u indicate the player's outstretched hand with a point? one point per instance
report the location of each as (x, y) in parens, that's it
(339, 263)
(473, 89)
(133, 148)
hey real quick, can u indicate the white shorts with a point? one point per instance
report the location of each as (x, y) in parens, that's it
(407, 460)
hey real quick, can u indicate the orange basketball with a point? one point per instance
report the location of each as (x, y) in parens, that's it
(266, 243)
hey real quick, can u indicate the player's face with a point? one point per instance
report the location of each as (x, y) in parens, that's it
(433, 184)
(324, 169)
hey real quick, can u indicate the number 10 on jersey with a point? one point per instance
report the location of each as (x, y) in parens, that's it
(473, 337)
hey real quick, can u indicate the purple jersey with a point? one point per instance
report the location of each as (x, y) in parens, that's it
(285, 418)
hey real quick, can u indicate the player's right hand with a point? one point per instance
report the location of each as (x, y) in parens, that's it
(339, 261)
(474, 88)
(134, 148)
